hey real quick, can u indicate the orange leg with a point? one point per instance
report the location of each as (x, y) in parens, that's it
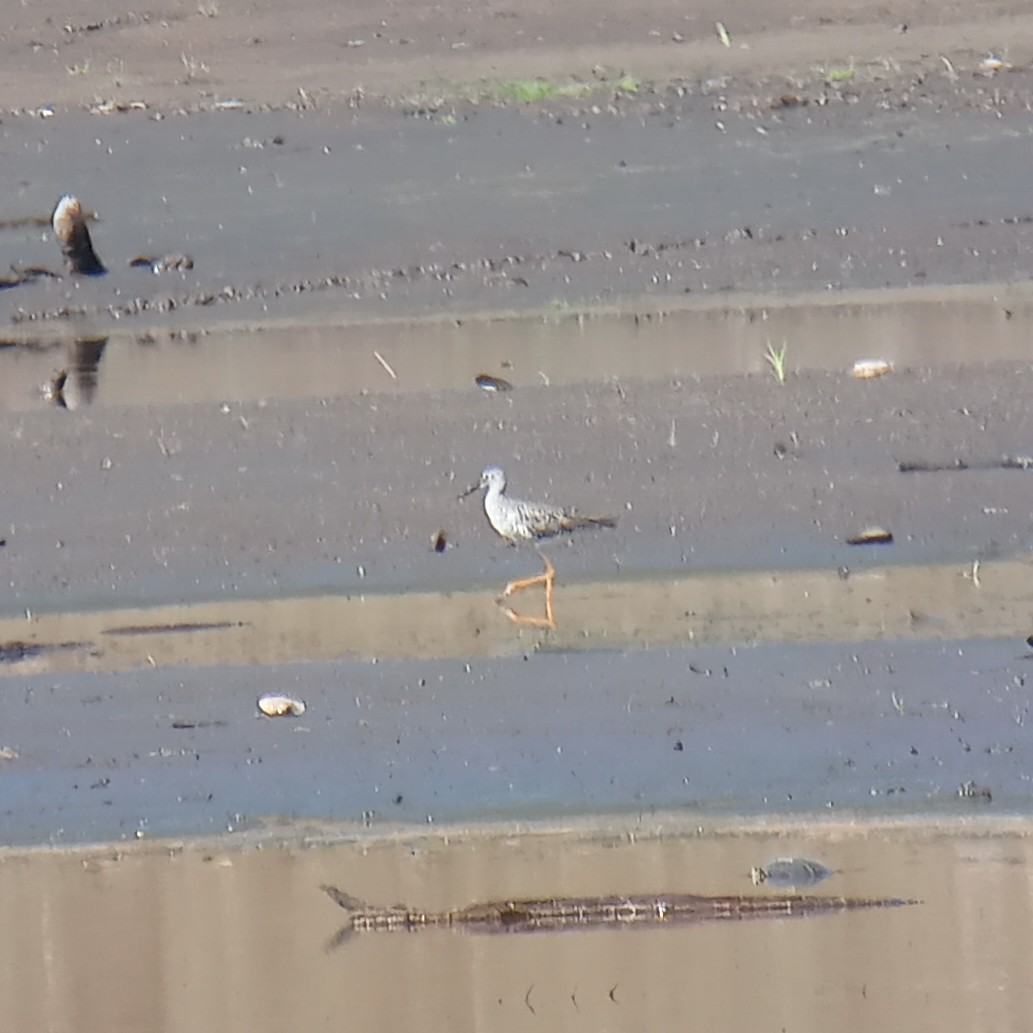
(548, 578)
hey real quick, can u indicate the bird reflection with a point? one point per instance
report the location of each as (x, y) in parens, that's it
(76, 384)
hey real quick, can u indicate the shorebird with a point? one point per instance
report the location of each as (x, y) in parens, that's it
(69, 222)
(517, 520)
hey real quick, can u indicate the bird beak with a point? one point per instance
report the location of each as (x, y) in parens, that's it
(469, 491)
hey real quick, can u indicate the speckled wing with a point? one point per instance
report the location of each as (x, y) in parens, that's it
(537, 520)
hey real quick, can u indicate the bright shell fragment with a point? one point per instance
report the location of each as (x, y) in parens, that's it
(281, 706)
(866, 369)
(486, 382)
(872, 536)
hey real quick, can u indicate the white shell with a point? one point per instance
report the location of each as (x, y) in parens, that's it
(281, 706)
(865, 369)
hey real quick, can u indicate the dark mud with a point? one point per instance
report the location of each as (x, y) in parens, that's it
(504, 212)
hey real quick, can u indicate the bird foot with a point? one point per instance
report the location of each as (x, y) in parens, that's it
(548, 579)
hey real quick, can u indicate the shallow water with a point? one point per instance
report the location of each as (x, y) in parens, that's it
(916, 328)
(205, 937)
(933, 602)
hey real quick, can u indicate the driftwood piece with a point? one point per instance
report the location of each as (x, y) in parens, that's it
(1006, 462)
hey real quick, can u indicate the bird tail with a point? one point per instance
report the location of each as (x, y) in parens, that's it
(574, 522)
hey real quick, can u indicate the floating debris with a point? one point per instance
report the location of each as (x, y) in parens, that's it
(440, 541)
(280, 706)
(970, 791)
(163, 264)
(867, 369)
(8, 753)
(111, 107)
(790, 873)
(69, 224)
(583, 913)
(872, 536)
(486, 382)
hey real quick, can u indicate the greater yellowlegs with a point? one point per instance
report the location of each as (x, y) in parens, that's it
(519, 520)
(516, 519)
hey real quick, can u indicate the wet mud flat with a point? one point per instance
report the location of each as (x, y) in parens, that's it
(773, 166)
(238, 475)
(207, 550)
(200, 492)
(191, 925)
(906, 728)
(861, 200)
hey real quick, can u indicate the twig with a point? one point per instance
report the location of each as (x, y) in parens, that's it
(1004, 463)
(383, 362)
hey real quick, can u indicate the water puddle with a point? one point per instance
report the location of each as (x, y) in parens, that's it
(207, 937)
(915, 328)
(892, 603)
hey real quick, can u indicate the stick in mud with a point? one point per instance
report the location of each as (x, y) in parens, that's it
(1004, 463)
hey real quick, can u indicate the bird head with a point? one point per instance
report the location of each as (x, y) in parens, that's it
(491, 477)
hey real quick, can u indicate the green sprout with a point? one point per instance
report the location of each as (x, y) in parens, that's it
(777, 361)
